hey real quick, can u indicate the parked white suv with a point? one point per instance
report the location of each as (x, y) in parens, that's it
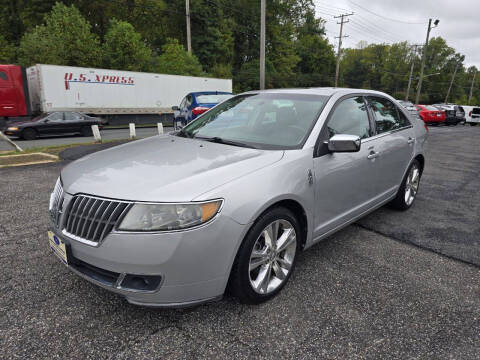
(472, 115)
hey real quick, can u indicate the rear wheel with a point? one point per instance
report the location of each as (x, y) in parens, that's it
(408, 189)
(29, 134)
(86, 131)
(266, 257)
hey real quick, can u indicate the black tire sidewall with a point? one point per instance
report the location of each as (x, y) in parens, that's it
(29, 134)
(399, 201)
(240, 281)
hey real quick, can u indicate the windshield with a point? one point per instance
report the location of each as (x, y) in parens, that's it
(265, 120)
(432, 108)
(213, 98)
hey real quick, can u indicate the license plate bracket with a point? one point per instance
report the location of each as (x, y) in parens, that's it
(58, 246)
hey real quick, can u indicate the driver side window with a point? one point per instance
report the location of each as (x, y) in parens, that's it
(350, 117)
(58, 116)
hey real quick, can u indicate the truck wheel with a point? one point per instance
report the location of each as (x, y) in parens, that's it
(29, 134)
(86, 131)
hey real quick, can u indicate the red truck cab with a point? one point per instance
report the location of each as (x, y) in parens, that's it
(14, 98)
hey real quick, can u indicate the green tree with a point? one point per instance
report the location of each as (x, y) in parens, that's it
(176, 60)
(7, 51)
(317, 58)
(212, 36)
(64, 39)
(124, 48)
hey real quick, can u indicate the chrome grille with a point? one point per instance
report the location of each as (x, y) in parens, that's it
(56, 203)
(90, 218)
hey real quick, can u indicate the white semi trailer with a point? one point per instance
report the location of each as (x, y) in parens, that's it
(112, 94)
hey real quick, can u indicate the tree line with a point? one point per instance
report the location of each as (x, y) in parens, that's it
(149, 35)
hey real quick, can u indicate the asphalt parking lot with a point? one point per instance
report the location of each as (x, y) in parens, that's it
(393, 285)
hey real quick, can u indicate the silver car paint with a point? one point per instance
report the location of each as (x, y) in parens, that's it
(196, 263)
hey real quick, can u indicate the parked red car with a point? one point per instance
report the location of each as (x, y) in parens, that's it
(431, 115)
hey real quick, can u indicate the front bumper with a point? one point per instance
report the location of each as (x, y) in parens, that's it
(17, 133)
(193, 265)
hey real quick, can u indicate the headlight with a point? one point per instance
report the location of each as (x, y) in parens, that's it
(13, 128)
(166, 217)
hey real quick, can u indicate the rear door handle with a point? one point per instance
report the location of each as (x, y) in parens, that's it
(372, 155)
(410, 140)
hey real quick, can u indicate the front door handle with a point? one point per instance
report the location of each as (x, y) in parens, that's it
(410, 140)
(373, 155)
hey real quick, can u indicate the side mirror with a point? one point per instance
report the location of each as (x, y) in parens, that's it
(344, 143)
(46, 121)
(175, 108)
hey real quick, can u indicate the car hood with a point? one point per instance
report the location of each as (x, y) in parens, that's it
(162, 168)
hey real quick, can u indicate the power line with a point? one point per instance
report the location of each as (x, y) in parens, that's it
(384, 17)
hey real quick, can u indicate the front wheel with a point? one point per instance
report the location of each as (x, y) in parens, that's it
(266, 257)
(29, 134)
(408, 189)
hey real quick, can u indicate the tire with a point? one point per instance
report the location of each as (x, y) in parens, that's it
(86, 131)
(29, 134)
(246, 276)
(473, 124)
(402, 200)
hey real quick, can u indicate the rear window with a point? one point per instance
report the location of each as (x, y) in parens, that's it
(3, 76)
(213, 98)
(432, 108)
(476, 111)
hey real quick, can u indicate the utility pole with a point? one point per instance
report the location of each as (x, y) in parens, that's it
(189, 36)
(424, 56)
(262, 44)
(340, 37)
(471, 88)
(451, 82)
(411, 72)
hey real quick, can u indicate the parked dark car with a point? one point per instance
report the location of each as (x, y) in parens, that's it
(55, 123)
(196, 103)
(455, 114)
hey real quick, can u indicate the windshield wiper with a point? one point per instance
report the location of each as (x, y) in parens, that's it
(183, 133)
(219, 140)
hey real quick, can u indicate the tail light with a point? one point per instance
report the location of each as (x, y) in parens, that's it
(199, 110)
(470, 113)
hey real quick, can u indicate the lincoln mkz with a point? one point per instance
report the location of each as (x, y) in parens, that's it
(229, 201)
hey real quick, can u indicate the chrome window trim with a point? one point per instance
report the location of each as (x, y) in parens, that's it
(390, 132)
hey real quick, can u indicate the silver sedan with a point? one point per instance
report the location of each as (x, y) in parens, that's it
(229, 201)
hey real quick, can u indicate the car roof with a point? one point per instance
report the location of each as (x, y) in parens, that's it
(210, 93)
(325, 91)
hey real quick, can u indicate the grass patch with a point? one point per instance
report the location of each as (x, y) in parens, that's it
(27, 159)
(54, 149)
(137, 126)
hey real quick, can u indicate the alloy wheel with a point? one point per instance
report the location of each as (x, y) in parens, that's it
(411, 185)
(272, 256)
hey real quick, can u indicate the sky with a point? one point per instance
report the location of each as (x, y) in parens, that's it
(378, 21)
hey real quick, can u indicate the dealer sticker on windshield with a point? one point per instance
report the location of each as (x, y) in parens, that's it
(58, 247)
